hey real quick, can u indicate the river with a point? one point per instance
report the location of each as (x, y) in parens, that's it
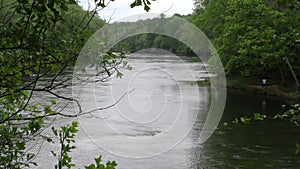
(158, 122)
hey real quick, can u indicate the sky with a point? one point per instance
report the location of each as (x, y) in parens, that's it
(121, 8)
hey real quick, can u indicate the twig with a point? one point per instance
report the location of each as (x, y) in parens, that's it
(99, 109)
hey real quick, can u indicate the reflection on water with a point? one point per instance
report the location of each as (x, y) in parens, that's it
(260, 145)
(159, 110)
(156, 99)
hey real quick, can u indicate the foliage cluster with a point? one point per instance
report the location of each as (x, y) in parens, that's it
(254, 38)
(153, 40)
(39, 39)
(40, 42)
(66, 136)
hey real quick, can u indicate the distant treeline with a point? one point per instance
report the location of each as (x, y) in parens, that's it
(146, 41)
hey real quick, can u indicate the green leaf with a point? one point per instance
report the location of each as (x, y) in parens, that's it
(258, 116)
(92, 166)
(146, 8)
(101, 4)
(49, 140)
(136, 3)
(98, 160)
(53, 101)
(119, 74)
(277, 116)
(54, 131)
(235, 121)
(245, 120)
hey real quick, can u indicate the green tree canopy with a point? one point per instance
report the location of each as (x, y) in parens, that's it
(253, 37)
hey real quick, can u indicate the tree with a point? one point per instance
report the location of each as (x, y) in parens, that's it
(39, 39)
(253, 38)
(153, 40)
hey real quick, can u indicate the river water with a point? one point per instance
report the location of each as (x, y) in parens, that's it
(158, 121)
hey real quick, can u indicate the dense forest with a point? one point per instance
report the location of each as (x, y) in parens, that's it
(145, 41)
(39, 39)
(153, 40)
(254, 38)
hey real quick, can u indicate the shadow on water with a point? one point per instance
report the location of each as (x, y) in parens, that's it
(262, 144)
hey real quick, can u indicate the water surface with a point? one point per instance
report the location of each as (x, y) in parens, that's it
(163, 114)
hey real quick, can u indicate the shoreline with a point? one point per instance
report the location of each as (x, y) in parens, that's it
(273, 90)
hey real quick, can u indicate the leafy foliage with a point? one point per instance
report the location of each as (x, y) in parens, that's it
(146, 4)
(40, 42)
(99, 165)
(254, 37)
(292, 115)
(66, 136)
(247, 120)
(146, 41)
(154, 39)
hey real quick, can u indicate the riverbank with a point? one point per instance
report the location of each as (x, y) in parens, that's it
(272, 88)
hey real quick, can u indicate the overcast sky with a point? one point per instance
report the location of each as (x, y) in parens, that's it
(121, 8)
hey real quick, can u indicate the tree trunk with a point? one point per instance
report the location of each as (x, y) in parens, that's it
(292, 71)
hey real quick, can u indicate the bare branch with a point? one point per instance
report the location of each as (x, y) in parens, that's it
(110, 17)
(112, 105)
(80, 113)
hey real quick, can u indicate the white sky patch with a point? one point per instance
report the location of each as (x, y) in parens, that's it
(121, 8)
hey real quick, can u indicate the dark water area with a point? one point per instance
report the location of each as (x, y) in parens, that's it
(240, 103)
(261, 144)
